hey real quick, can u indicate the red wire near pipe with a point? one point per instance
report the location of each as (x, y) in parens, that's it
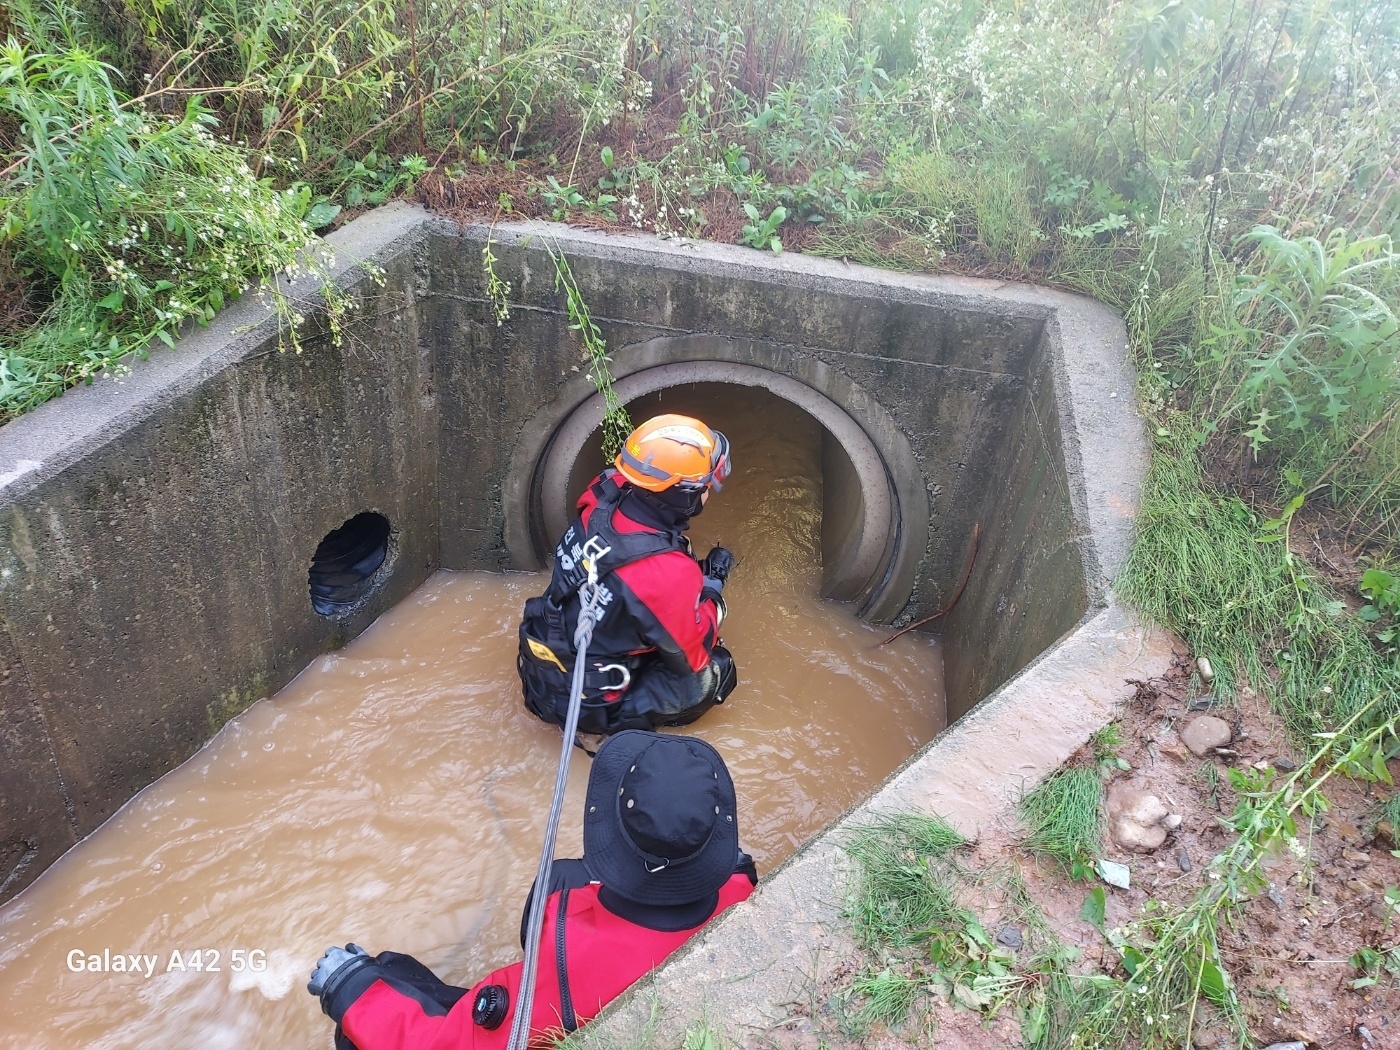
(967, 574)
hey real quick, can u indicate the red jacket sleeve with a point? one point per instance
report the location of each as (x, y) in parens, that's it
(384, 1018)
(685, 626)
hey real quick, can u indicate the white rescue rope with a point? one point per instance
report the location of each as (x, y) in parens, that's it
(588, 616)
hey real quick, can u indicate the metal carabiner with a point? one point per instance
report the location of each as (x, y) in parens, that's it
(626, 677)
(592, 554)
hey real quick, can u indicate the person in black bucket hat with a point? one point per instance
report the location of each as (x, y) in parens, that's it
(661, 858)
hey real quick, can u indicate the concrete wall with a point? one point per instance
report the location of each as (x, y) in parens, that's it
(155, 537)
(156, 530)
(958, 383)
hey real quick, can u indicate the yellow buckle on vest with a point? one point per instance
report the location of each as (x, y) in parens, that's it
(545, 653)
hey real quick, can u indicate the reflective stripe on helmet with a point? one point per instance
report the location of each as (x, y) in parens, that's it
(674, 450)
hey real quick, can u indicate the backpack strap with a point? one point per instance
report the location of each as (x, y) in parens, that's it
(602, 544)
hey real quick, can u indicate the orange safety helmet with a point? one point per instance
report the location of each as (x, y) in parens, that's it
(674, 450)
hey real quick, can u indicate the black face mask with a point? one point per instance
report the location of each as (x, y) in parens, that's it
(673, 506)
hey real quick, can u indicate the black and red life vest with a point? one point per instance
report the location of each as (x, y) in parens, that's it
(651, 603)
(602, 543)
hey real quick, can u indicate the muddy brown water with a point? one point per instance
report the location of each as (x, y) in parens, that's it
(395, 792)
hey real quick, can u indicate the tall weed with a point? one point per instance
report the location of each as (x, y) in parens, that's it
(1314, 343)
(133, 221)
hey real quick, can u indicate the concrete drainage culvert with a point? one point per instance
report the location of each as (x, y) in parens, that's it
(930, 405)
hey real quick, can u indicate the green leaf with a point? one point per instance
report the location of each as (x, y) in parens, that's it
(937, 950)
(164, 337)
(1094, 906)
(977, 934)
(973, 1000)
(1214, 984)
(112, 301)
(1379, 768)
(1132, 960)
(322, 214)
(1034, 1021)
(607, 155)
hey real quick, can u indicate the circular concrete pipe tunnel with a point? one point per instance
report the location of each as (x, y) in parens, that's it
(867, 550)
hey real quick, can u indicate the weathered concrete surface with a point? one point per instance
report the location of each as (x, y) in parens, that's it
(991, 403)
(744, 972)
(156, 532)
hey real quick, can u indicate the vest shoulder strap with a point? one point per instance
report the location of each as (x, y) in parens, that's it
(603, 544)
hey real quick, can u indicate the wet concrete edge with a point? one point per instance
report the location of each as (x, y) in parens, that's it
(65, 767)
(745, 972)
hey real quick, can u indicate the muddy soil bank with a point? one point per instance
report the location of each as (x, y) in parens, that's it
(1291, 952)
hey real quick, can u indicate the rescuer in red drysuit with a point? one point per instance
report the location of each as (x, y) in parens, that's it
(660, 859)
(655, 658)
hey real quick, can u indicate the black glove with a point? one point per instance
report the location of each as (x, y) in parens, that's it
(718, 564)
(333, 969)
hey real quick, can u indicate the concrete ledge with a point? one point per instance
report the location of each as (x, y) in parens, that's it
(41, 443)
(744, 971)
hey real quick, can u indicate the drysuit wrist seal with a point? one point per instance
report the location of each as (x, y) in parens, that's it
(347, 984)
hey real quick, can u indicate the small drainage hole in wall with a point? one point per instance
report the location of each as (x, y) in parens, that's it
(344, 566)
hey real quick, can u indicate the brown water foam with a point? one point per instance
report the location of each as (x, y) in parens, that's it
(394, 793)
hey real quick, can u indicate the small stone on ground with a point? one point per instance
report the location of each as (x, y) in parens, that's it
(1205, 733)
(1009, 937)
(1137, 819)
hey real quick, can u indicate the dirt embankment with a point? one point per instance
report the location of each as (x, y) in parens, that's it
(1293, 954)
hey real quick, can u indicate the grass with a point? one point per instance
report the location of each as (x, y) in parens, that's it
(1228, 581)
(1173, 975)
(886, 997)
(1063, 816)
(1138, 155)
(1198, 566)
(1389, 810)
(1107, 742)
(902, 886)
(1172, 956)
(940, 945)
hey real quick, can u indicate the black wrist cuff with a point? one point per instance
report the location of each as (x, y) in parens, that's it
(347, 984)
